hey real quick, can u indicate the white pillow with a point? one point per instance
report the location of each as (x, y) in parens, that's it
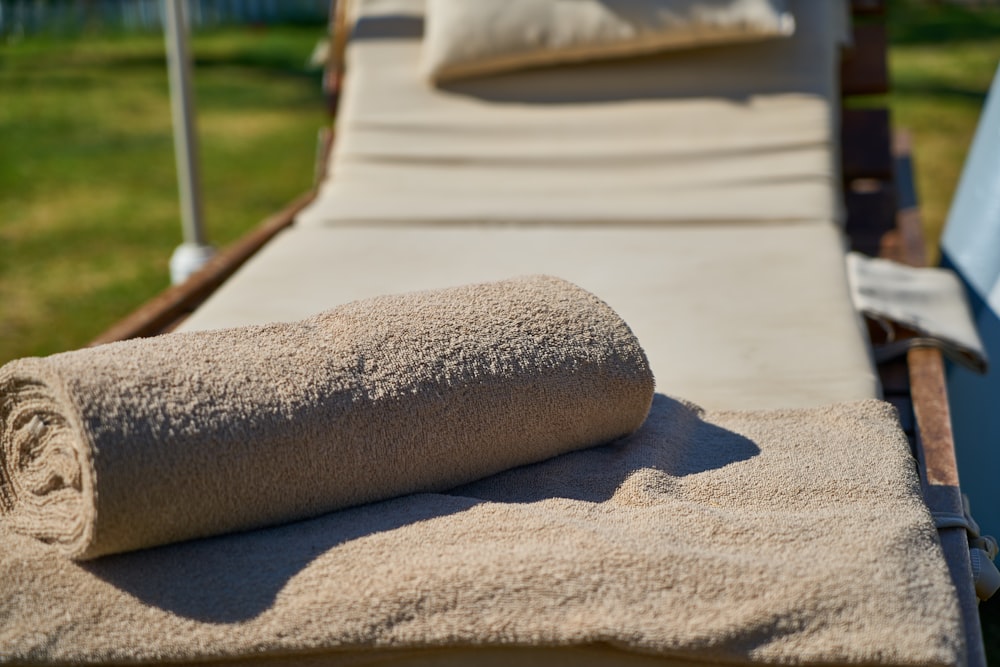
(471, 37)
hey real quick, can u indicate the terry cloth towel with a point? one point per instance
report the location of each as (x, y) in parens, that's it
(153, 441)
(771, 537)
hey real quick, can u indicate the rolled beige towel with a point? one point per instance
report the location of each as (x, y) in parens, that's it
(157, 440)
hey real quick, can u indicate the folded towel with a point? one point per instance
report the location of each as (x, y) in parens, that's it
(153, 441)
(793, 537)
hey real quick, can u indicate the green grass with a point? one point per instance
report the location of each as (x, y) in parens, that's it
(942, 60)
(88, 194)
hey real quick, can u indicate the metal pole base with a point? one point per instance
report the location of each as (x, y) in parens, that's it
(187, 259)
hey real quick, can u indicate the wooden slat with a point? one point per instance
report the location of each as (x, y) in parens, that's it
(930, 405)
(867, 162)
(866, 143)
(906, 243)
(333, 75)
(332, 82)
(864, 69)
(324, 143)
(871, 215)
(939, 477)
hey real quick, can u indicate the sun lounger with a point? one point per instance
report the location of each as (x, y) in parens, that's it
(699, 194)
(678, 178)
(641, 141)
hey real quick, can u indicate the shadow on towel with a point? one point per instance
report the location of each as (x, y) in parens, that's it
(673, 442)
(237, 577)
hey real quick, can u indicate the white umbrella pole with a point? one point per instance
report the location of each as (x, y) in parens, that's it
(192, 254)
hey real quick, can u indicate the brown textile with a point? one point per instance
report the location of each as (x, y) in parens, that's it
(153, 441)
(773, 537)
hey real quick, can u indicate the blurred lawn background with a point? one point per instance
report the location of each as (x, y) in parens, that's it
(88, 192)
(88, 204)
(942, 60)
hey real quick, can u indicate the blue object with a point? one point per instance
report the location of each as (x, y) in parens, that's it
(971, 246)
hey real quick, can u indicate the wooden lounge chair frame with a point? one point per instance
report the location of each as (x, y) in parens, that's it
(882, 220)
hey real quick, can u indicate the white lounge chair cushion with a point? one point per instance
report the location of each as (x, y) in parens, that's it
(471, 38)
(730, 316)
(743, 133)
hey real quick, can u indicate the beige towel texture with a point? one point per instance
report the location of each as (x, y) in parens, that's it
(791, 537)
(153, 441)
